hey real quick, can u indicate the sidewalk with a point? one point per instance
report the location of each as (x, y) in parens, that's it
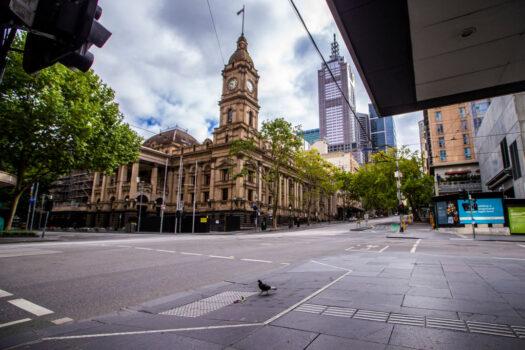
(359, 300)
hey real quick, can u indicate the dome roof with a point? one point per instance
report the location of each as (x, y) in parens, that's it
(171, 137)
(241, 54)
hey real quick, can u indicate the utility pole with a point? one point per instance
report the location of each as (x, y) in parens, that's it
(163, 207)
(194, 197)
(179, 185)
(30, 204)
(399, 199)
(34, 207)
(140, 203)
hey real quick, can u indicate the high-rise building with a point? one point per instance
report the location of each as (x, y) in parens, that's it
(310, 135)
(336, 120)
(450, 145)
(381, 130)
(478, 110)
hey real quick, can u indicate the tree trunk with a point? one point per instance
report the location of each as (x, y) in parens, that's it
(12, 211)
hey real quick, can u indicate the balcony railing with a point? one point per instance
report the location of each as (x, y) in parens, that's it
(457, 186)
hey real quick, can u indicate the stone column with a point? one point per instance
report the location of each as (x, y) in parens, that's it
(133, 181)
(154, 180)
(96, 176)
(121, 178)
(170, 188)
(213, 196)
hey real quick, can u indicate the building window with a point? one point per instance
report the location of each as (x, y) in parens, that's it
(441, 142)
(467, 153)
(207, 178)
(465, 139)
(230, 116)
(514, 156)
(462, 112)
(251, 177)
(250, 118)
(224, 194)
(443, 155)
(205, 196)
(464, 125)
(225, 175)
(193, 179)
(438, 116)
(193, 197)
(504, 153)
(250, 195)
(226, 138)
(439, 128)
(269, 200)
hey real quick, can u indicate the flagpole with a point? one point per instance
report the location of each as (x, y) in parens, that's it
(243, 11)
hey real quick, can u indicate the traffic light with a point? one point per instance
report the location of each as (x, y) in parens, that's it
(63, 31)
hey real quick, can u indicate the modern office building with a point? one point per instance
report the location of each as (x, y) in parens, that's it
(311, 135)
(336, 119)
(450, 146)
(382, 130)
(499, 144)
(478, 110)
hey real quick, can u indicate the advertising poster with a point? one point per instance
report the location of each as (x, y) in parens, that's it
(484, 211)
(447, 213)
(517, 220)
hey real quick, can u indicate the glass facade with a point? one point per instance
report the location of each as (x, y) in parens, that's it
(381, 130)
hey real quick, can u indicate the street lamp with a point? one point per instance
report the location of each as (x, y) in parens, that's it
(141, 184)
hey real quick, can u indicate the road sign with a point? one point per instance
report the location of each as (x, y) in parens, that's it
(25, 10)
(204, 220)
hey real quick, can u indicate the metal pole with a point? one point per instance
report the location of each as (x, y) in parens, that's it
(178, 193)
(30, 204)
(194, 197)
(400, 202)
(163, 196)
(34, 207)
(471, 216)
(45, 225)
(140, 206)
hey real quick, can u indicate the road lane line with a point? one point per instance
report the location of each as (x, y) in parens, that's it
(28, 306)
(124, 246)
(221, 257)
(187, 253)
(62, 320)
(14, 322)
(141, 248)
(166, 251)
(3, 293)
(385, 248)
(336, 267)
(522, 245)
(414, 247)
(256, 260)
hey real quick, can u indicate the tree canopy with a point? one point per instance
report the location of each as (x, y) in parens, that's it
(57, 121)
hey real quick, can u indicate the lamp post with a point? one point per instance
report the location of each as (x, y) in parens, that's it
(140, 203)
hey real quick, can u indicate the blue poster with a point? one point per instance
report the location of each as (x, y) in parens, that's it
(484, 211)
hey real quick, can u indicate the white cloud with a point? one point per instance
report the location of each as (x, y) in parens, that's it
(163, 60)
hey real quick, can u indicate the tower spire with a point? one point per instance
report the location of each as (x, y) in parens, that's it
(335, 49)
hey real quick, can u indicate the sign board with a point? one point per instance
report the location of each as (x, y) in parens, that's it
(517, 220)
(447, 213)
(25, 10)
(204, 220)
(484, 211)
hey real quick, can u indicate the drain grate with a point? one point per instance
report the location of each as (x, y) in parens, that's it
(519, 330)
(311, 308)
(489, 328)
(204, 306)
(339, 311)
(446, 323)
(410, 320)
(371, 315)
(501, 330)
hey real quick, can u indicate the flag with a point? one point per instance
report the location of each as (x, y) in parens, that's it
(240, 11)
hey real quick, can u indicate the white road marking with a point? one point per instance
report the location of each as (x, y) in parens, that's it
(166, 251)
(141, 248)
(256, 260)
(3, 293)
(221, 257)
(186, 253)
(414, 247)
(285, 264)
(14, 322)
(337, 267)
(62, 320)
(28, 306)
(522, 245)
(385, 248)
(124, 246)
(498, 258)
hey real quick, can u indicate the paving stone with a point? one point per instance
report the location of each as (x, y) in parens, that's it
(429, 291)
(323, 342)
(272, 337)
(363, 300)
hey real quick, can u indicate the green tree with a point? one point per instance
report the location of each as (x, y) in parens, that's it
(283, 144)
(347, 188)
(57, 121)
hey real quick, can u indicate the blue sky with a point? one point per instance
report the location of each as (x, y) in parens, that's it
(164, 62)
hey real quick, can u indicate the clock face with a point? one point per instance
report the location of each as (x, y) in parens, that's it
(249, 85)
(232, 83)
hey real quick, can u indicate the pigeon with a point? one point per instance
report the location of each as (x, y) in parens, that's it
(264, 287)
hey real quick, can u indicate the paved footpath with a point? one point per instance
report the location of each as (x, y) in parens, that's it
(430, 292)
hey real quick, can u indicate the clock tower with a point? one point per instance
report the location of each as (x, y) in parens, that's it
(239, 107)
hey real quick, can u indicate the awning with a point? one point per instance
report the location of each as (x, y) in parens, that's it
(418, 54)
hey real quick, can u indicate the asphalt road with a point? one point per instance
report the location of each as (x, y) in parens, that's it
(61, 282)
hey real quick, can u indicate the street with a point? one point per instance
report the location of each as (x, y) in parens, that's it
(73, 283)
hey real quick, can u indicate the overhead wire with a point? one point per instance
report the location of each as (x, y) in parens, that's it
(216, 33)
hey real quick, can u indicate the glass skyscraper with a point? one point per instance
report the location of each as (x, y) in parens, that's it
(381, 130)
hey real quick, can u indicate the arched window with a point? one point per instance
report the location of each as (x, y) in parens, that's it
(230, 116)
(250, 118)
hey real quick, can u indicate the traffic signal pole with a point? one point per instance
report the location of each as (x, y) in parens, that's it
(399, 199)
